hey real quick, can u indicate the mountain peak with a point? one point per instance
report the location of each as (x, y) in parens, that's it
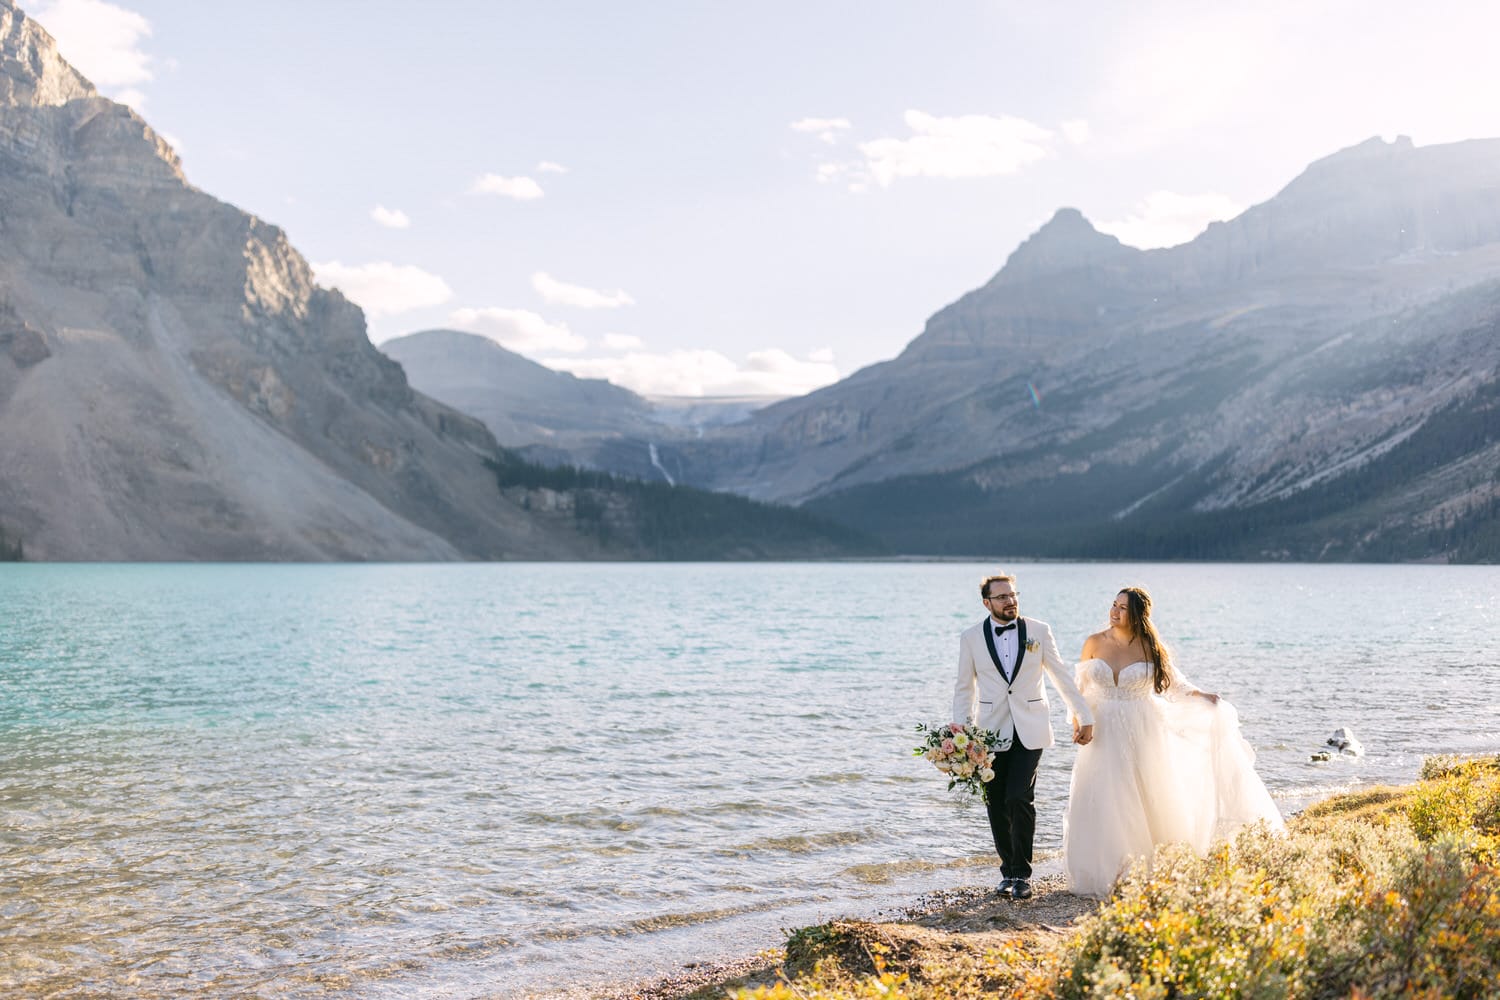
(1372, 148)
(1068, 219)
(32, 72)
(1067, 241)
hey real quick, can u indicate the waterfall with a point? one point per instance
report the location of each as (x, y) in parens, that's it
(656, 461)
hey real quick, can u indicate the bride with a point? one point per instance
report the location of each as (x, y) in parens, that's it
(1167, 763)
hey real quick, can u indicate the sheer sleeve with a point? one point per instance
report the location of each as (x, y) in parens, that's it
(1181, 687)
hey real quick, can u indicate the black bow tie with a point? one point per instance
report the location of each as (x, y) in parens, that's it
(1004, 628)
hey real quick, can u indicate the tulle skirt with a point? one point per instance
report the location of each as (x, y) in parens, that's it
(1157, 772)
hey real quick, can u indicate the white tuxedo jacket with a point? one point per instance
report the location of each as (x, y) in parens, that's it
(1019, 706)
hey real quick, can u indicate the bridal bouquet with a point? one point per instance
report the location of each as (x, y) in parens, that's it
(965, 753)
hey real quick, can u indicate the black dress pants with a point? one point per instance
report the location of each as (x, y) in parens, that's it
(1011, 804)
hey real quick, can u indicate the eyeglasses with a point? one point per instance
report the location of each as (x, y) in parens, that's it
(1013, 596)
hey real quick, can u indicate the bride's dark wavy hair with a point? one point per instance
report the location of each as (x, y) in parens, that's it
(1138, 613)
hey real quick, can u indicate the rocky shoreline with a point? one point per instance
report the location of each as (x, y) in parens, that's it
(976, 911)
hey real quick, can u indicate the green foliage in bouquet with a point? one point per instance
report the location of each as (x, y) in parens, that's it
(965, 753)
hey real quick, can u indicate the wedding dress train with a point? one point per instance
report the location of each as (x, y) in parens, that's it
(1161, 769)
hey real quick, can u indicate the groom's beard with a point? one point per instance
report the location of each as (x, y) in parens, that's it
(1006, 617)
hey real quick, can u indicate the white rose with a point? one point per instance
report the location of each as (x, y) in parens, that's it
(987, 775)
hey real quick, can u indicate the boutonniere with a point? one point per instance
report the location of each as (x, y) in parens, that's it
(1032, 645)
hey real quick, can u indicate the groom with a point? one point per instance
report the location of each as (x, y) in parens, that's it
(1000, 665)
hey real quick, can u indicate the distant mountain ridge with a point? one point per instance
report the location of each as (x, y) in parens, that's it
(522, 402)
(1284, 349)
(554, 417)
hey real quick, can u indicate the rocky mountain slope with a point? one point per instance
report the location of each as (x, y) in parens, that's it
(173, 385)
(1091, 395)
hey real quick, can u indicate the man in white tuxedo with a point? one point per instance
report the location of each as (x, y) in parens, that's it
(1001, 661)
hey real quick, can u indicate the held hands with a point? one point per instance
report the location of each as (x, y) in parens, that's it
(1083, 735)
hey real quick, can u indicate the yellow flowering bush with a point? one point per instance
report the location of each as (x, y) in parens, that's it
(1407, 906)
(1459, 799)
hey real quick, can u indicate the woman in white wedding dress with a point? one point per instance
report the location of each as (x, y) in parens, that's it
(1167, 763)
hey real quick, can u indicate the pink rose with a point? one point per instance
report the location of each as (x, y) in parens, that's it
(948, 746)
(955, 728)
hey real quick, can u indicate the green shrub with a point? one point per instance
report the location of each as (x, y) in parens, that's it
(1461, 799)
(1249, 920)
(1435, 932)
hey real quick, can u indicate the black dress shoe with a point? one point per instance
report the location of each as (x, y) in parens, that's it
(1007, 887)
(1020, 889)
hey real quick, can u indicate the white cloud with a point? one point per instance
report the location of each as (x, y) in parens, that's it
(819, 124)
(560, 293)
(131, 96)
(519, 188)
(101, 41)
(548, 167)
(827, 129)
(854, 175)
(519, 330)
(391, 218)
(382, 288)
(771, 372)
(1165, 218)
(622, 341)
(1075, 130)
(966, 146)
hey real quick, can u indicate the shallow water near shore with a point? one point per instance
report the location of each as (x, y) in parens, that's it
(520, 779)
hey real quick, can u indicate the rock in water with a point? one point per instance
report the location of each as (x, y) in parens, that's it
(1344, 741)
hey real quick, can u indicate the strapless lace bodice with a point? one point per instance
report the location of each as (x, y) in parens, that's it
(1097, 681)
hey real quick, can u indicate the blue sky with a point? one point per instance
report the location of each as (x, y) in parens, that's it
(713, 198)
